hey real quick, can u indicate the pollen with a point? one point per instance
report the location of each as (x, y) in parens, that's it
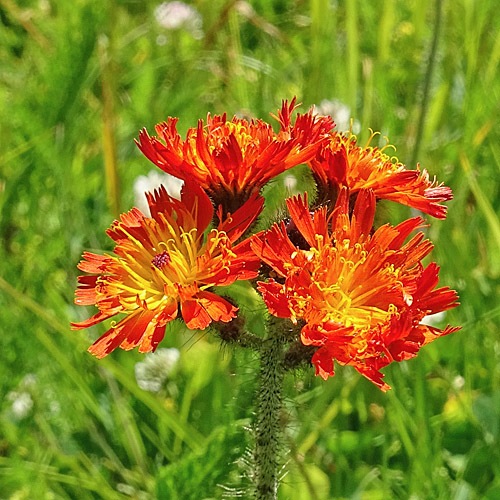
(160, 260)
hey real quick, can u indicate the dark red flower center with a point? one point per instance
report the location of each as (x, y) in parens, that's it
(160, 260)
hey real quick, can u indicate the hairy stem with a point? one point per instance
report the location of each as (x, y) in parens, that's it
(268, 415)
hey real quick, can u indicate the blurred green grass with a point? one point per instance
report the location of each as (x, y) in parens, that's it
(77, 81)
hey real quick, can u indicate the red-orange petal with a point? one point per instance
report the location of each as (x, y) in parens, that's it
(275, 298)
(218, 308)
(274, 247)
(236, 224)
(195, 315)
(363, 214)
(152, 337)
(308, 227)
(94, 263)
(127, 334)
(323, 362)
(97, 318)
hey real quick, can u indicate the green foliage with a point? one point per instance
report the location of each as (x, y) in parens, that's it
(72, 427)
(207, 472)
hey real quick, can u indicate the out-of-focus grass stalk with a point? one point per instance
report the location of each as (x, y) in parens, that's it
(493, 61)
(423, 437)
(482, 201)
(427, 83)
(418, 17)
(261, 23)
(401, 420)
(437, 106)
(9, 156)
(212, 32)
(108, 128)
(352, 28)
(91, 470)
(23, 18)
(476, 18)
(317, 87)
(133, 442)
(113, 462)
(188, 434)
(299, 463)
(236, 71)
(50, 473)
(152, 436)
(385, 32)
(495, 151)
(187, 399)
(327, 417)
(46, 340)
(367, 98)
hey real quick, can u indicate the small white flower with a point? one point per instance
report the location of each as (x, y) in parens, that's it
(161, 40)
(154, 370)
(290, 182)
(458, 382)
(151, 182)
(341, 114)
(22, 404)
(54, 407)
(178, 15)
(28, 381)
(434, 319)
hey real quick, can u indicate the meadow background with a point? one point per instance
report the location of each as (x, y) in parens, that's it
(77, 81)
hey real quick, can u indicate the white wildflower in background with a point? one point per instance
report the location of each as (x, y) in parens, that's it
(161, 40)
(458, 383)
(178, 15)
(22, 404)
(433, 319)
(154, 370)
(341, 114)
(290, 182)
(151, 182)
(28, 382)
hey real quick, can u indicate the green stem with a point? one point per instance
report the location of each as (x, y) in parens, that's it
(267, 431)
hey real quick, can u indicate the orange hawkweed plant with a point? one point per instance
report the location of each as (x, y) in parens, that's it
(335, 289)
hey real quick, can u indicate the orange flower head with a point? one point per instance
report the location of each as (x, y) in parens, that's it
(232, 160)
(341, 163)
(165, 263)
(360, 294)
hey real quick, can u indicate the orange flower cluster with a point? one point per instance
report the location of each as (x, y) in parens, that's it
(358, 294)
(361, 296)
